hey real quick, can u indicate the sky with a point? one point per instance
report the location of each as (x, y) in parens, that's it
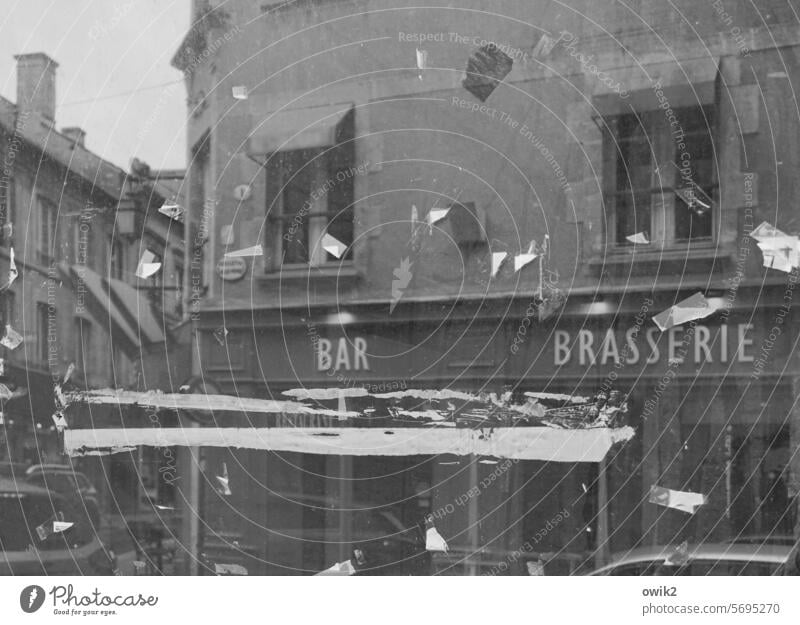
(108, 53)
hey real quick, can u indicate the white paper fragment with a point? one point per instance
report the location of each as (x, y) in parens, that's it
(255, 250)
(147, 267)
(402, 278)
(447, 464)
(414, 216)
(520, 260)
(12, 268)
(690, 309)
(572, 399)
(12, 338)
(544, 46)
(340, 568)
(239, 92)
(223, 480)
(640, 238)
(679, 500)
(535, 568)
(59, 421)
(5, 392)
(434, 540)
(172, 210)
(436, 214)
(497, 261)
(781, 251)
(430, 415)
(160, 507)
(61, 526)
(229, 569)
(487, 461)
(333, 246)
(422, 60)
(679, 556)
(2, 418)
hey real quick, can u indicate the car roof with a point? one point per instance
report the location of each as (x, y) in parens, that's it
(769, 553)
(55, 468)
(8, 485)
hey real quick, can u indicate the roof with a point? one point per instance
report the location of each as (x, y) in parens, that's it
(8, 485)
(40, 133)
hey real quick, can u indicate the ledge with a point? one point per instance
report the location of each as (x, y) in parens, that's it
(705, 250)
(345, 270)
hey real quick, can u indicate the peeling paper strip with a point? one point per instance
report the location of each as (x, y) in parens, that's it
(255, 250)
(179, 401)
(422, 59)
(684, 501)
(573, 399)
(333, 393)
(690, 309)
(12, 268)
(534, 443)
(333, 246)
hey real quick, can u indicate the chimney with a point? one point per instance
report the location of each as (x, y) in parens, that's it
(75, 134)
(36, 84)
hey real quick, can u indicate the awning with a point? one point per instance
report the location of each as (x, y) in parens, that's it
(297, 129)
(118, 307)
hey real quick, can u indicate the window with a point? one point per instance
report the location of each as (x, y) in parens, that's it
(659, 175)
(46, 329)
(47, 222)
(83, 344)
(310, 193)
(8, 310)
(117, 259)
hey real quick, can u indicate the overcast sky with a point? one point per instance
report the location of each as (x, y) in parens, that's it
(105, 48)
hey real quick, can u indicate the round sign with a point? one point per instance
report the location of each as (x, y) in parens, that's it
(231, 268)
(242, 192)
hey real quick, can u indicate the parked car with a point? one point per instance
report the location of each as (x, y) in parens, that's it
(703, 559)
(73, 485)
(28, 546)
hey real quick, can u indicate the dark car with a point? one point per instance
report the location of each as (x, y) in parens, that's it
(702, 560)
(66, 481)
(28, 544)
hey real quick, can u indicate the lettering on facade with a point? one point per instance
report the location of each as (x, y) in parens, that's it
(346, 355)
(585, 347)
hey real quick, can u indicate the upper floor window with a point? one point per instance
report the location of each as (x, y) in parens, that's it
(47, 222)
(310, 194)
(46, 346)
(658, 175)
(83, 344)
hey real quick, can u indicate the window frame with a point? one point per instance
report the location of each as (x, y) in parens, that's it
(661, 193)
(47, 216)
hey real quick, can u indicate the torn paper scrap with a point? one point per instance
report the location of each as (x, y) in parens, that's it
(255, 250)
(437, 214)
(147, 267)
(780, 251)
(171, 210)
(12, 268)
(402, 278)
(522, 259)
(486, 68)
(61, 526)
(229, 569)
(59, 420)
(12, 338)
(690, 309)
(679, 556)
(340, 568)
(333, 246)
(5, 392)
(535, 568)
(497, 261)
(224, 481)
(679, 500)
(640, 238)
(433, 539)
(544, 46)
(422, 60)
(695, 198)
(239, 92)
(44, 530)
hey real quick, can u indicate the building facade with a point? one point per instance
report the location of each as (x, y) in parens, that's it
(632, 151)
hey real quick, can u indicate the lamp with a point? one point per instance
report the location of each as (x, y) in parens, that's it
(127, 209)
